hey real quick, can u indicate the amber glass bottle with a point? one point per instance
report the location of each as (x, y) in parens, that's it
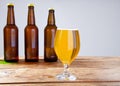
(11, 37)
(31, 37)
(49, 34)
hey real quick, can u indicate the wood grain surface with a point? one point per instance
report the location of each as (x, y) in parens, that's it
(90, 71)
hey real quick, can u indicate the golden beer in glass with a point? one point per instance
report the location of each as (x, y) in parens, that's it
(67, 45)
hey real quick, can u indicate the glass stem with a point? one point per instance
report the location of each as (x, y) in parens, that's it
(66, 71)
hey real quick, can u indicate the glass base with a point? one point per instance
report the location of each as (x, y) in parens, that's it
(66, 77)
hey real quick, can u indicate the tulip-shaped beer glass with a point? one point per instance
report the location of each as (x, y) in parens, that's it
(67, 45)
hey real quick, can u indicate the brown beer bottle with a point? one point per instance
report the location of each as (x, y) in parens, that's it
(11, 37)
(49, 34)
(31, 37)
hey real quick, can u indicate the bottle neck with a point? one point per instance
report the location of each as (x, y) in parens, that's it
(31, 16)
(10, 16)
(51, 18)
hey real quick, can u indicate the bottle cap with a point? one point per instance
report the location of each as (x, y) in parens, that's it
(10, 4)
(29, 5)
(51, 8)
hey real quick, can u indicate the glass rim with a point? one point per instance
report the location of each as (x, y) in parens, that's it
(66, 29)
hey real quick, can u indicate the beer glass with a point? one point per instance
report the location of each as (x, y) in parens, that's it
(67, 45)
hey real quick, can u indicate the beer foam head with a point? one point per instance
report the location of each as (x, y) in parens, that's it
(66, 29)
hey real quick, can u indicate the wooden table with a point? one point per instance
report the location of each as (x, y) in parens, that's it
(90, 71)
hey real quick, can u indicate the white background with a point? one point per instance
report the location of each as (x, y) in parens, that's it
(97, 20)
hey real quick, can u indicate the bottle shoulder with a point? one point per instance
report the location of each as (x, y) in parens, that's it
(51, 27)
(10, 27)
(31, 27)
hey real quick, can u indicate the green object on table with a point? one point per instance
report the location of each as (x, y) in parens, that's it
(4, 62)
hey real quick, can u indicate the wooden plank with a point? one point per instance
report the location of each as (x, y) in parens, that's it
(87, 69)
(66, 84)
